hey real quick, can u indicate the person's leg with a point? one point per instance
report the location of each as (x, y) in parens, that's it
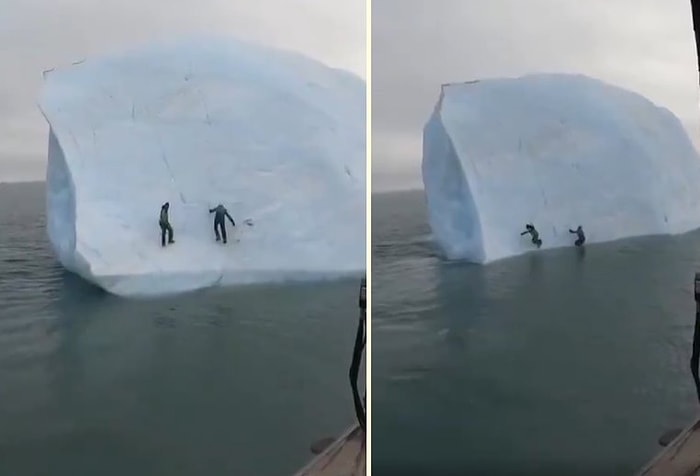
(162, 235)
(170, 234)
(223, 230)
(216, 230)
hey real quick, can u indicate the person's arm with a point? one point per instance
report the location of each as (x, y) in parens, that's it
(229, 217)
(571, 231)
(212, 210)
(524, 233)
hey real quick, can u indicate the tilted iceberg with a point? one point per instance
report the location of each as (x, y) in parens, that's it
(278, 138)
(557, 151)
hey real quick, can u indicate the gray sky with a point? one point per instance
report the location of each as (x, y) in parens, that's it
(39, 34)
(643, 45)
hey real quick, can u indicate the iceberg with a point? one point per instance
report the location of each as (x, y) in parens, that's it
(277, 138)
(557, 151)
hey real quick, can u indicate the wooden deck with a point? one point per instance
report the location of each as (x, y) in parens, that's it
(680, 458)
(344, 457)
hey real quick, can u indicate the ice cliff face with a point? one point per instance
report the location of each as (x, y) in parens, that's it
(277, 138)
(557, 151)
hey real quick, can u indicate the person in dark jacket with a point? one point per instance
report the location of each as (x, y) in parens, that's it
(164, 223)
(220, 213)
(533, 233)
(580, 237)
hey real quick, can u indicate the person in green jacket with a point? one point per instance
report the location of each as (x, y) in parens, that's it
(164, 223)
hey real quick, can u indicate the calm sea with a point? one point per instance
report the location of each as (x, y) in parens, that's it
(549, 363)
(227, 382)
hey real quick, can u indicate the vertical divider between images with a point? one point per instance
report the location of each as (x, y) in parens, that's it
(368, 232)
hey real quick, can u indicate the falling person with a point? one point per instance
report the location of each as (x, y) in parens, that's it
(580, 236)
(220, 213)
(533, 233)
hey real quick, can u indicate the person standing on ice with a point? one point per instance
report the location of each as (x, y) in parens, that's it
(164, 223)
(533, 233)
(220, 213)
(580, 237)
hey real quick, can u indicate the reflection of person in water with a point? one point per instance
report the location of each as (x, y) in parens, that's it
(529, 228)
(580, 237)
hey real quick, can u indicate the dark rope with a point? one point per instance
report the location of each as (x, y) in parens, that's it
(695, 357)
(357, 357)
(695, 9)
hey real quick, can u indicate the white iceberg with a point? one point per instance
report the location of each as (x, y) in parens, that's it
(557, 151)
(277, 138)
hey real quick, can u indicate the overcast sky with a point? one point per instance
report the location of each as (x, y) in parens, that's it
(644, 45)
(36, 35)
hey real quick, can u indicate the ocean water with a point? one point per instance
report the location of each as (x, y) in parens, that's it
(227, 382)
(554, 362)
